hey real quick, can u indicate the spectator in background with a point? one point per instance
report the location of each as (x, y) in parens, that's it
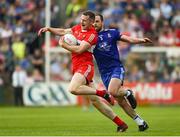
(60, 67)
(3, 78)
(155, 11)
(2, 66)
(6, 31)
(37, 76)
(176, 25)
(18, 48)
(4, 46)
(133, 22)
(55, 69)
(137, 32)
(166, 35)
(29, 78)
(38, 60)
(176, 19)
(72, 11)
(164, 78)
(20, 27)
(166, 9)
(166, 38)
(18, 81)
(136, 74)
(145, 21)
(177, 35)
(73, 8)
(151, 65)
(7, 52)
(139, 10)
(175, 75)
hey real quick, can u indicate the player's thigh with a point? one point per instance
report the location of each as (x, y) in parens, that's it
(87, 70)
(77, 80)
(114, 85)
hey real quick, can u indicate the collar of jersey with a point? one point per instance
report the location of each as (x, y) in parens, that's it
(102, 30)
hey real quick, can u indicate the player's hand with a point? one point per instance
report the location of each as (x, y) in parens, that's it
(61, 42)
(42, 30)
(147, 40)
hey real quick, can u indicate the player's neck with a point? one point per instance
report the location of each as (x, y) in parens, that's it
(87, 29)
(101, 29)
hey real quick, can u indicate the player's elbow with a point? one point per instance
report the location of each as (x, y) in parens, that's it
(131, 42)
(79, 51)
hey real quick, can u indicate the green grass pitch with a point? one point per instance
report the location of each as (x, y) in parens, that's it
(73, 121)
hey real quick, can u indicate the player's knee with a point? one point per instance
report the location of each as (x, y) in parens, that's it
(73, 90)
(113, 93)
(116, 93)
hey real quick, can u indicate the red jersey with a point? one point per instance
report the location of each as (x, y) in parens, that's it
(89, 36)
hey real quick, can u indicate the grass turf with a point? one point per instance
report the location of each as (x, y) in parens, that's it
(72, 121)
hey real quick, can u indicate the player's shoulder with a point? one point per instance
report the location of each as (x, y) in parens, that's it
(110, 31)
(113, 30)
(76, 27)
(92, 30)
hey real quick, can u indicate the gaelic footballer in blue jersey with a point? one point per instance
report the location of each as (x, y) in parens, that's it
(111, 69)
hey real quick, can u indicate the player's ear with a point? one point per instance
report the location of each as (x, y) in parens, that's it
(91, 21)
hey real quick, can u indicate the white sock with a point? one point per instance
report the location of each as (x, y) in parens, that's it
(127, 93)
(138, 120)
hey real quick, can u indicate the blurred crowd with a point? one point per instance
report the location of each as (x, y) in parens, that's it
(19, 45)
(21, 19)
(158, 19)
(152, 67)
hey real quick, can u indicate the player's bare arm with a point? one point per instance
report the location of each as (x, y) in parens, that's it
(84, 46)
(132, 40)
(56, 31)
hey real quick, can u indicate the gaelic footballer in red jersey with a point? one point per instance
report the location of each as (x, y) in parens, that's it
(83, 63)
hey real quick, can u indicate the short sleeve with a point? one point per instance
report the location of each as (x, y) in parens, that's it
(91, 38)
(117, 34)
(74, 28)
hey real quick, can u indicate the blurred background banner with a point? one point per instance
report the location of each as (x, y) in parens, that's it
(54, 94)
(148, 67)
(156, 93)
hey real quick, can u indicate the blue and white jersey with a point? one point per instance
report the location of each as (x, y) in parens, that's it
(106, 51)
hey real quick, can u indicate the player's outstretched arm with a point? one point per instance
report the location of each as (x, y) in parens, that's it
(56, 31)
(84, 46)
(135, 40)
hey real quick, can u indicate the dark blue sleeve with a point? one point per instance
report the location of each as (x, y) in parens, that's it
(117, 35)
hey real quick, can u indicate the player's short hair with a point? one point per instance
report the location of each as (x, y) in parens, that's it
(100, 15)
(90, 14)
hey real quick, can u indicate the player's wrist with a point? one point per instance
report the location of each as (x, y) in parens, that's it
(142, 40)
(48, 28)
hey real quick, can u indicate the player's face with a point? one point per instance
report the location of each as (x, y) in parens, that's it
(98, 24)
(85, 22)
